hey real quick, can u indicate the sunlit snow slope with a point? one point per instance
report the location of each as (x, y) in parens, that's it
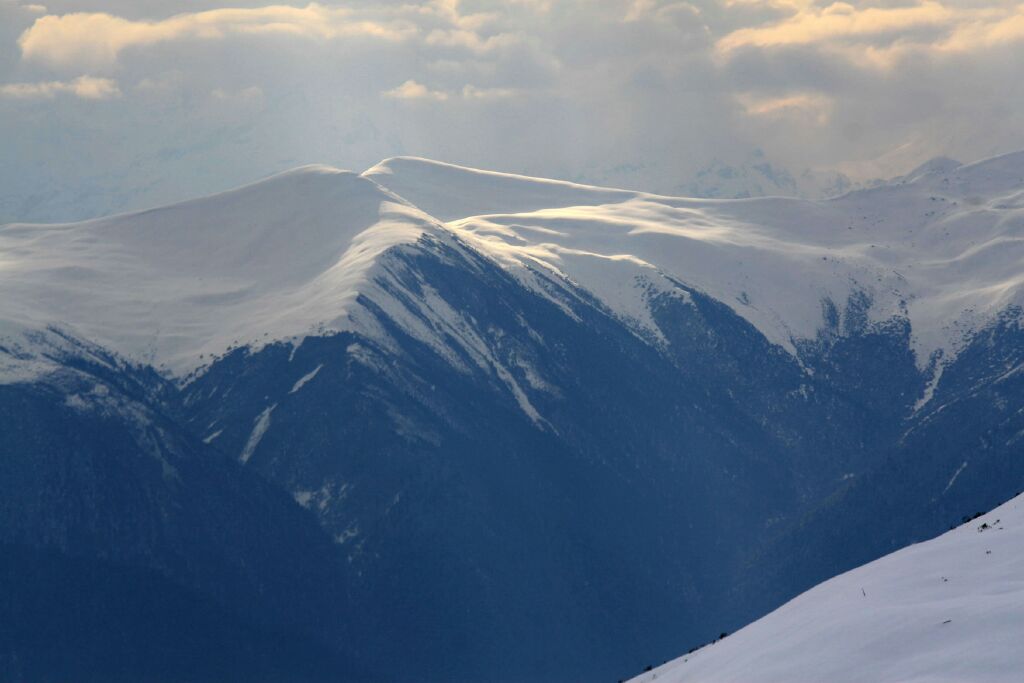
(290, 255)
(943, 248)
(949, 609)
(175, 285)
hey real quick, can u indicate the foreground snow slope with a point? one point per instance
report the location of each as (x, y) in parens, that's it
(949, 609)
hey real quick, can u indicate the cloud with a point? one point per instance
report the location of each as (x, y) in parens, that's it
(411, 90)
(252, 94)
(810, 108)
(84, 87)
(839, 21)
(96, 39)
(639, 93)
(471, 92)
(883, 35)
(987, 29)
(470, 40)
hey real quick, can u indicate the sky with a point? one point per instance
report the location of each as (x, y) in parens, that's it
(113, 104)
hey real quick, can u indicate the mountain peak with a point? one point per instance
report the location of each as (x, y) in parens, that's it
(178, 283)
(932, 167)
(449, 192)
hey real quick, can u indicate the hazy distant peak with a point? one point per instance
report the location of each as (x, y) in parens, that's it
(932, 167)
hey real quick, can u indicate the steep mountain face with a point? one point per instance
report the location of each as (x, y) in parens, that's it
(77, 618)
(951, 608)
(122, 531)
(503, 488)
(960, 453)
(446, 424)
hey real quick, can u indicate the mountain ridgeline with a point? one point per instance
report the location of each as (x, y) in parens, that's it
(430, 423)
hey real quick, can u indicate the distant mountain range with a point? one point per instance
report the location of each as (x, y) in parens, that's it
(758, 177)
(752, 175)
(432, 423)
(48, 198)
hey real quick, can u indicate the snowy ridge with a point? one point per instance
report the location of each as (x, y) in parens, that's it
(447, 191)
(30, 353)
(942, 249)
(949, 609)
(293, 255)
(174, 286)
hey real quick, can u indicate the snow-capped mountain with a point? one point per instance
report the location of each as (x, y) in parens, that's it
(172, 286)
(907, 247)
(278, 259)
(948, 609)
(161, 177)
(741, 176)
(523, 423)
(758, 177)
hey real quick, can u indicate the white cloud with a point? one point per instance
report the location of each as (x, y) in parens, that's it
(882, 35)
(411, 90)
(97, 39)
(251, 94)
(840, 21)
(809, 108)
(84, 87)
(471, 40)
(471, 92)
